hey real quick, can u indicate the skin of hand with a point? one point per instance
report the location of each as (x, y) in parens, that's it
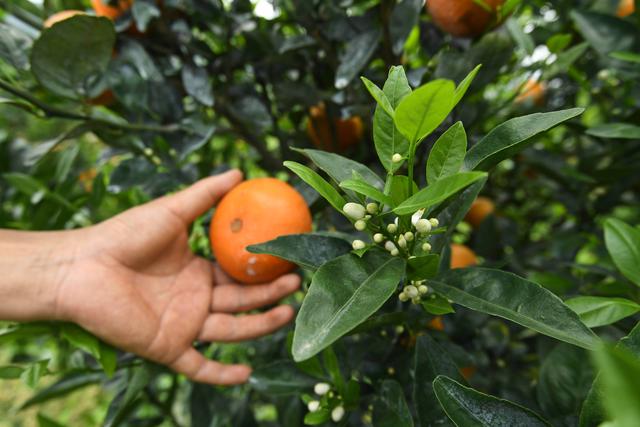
(134, 282)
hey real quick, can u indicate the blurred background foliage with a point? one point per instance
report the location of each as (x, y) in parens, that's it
(96, 118)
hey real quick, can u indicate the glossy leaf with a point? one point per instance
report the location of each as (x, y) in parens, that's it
(67, 384)
(510, 137)
(340, 168)
(623, 244)
(430, 360)
(615, 131)
(470, 408)
(197, 83)
(423, 267)
(355, 56)
(437, 305)
(601, 311)
(438, 191)
(462, 88)
(368, 190)
(390, 409)
(386, 137)
(11, 372)
(14, 46)
(379, 96)
(70, 57)
(309, 250)
(138, 378)
(280, 378)
(447, 155)
(404, 17)
(318, 183)
(344, 292)
(424, 109)
(605, 33)
(398, 188)
(513, 298)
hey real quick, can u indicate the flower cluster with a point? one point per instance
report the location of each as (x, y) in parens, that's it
(327, 399)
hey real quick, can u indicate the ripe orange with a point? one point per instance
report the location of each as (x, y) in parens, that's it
(436, 324)
(343, 134)
(102, 8)
(256, 211)
(463, 18)
(462, 256)
(626, 8)
(467, 372)
(533, 93)
(60, 16)
(479, 210)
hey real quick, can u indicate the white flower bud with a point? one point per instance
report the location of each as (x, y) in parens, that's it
(396, 158)
(434, 222)
(354, 210)
(372, 208)
(403, 297)
(321, 389)
(389, 245)
(378, 237)
(408, 236)
(360, 225)
(423, 226)
(395, 252)
(313, 406)
(402, 242)
(426, 247)
(416, 300)
(358, 244)
(337, 414)
(422, 289)
(416, 216)
(411, 291)
(392, 228)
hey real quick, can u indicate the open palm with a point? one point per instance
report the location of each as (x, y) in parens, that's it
(135, 283)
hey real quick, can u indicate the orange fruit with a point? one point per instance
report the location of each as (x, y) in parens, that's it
(105, 98)
(625, 8)
(463, 18)
(253, 212)
(436, 324)
(532, 93)
(60, 16)
(481, 207)
(467, 372)
(102, 8)
(336, 136)
(462, 256)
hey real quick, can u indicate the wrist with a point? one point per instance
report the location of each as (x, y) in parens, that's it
(33, 269)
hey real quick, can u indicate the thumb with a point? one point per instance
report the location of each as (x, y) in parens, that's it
(195, 200)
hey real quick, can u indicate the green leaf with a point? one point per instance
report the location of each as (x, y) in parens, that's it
(388, 141)
(437, 305)
(308, 250)
(355, 56)
(138, 378)
(506, 295)
(423, 267)
(620, 370)
(424, 109)
(390, 409)
(81, 339)
(332, 366)
(601, 311)
(44, 421)
(623, 244)
(404, 17)
(368, 190)
(398, 188)
(67, 384)
(14, 46)
(430, 360)
(438, 191)
(605, 33)
(626, 56)
(462, 88)
(615, 131)
(565, 61)
(447, 155)
(378, 95)
(70, 57)
(280, 378)
(315, 418)
(108, 359)
(593, 413)
(196, 82)
(344, 292)
(470, 408)
(510, 137)
(10, 372)
(340, 168)
(325, 189)
(34, 372)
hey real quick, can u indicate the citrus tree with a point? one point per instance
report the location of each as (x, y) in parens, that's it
(471, 168)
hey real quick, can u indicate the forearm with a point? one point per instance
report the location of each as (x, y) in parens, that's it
(32, 267)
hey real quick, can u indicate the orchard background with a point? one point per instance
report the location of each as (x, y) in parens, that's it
(100, 114)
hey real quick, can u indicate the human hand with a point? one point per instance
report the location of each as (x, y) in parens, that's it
(134, 282)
